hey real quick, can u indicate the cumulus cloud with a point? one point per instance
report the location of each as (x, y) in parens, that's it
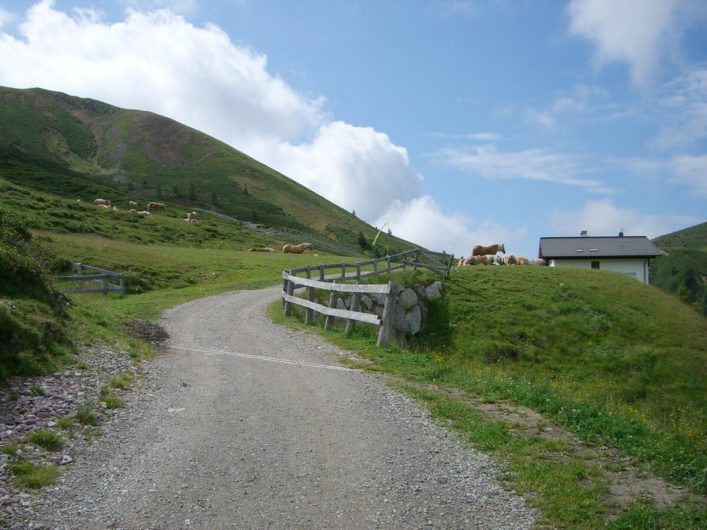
(530, 164)
(422, 220)
(358, 168)
(635, 32)
(603, 218)
(159, 61)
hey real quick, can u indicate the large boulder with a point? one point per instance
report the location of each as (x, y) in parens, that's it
(414, 320)
(433, 292)
(407, 298)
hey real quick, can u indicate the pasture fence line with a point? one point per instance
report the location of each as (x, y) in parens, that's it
(102, 280)
(316, 277)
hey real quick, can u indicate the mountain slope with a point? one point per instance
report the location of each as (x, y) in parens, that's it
(83, 148)
(683, 270)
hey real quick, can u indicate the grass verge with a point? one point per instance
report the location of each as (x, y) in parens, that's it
(617, 365)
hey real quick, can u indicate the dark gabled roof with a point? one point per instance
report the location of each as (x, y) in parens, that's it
(597, 247)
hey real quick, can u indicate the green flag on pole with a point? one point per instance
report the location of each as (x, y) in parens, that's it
(375, 239)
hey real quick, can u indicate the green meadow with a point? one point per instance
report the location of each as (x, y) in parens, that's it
(617, 366)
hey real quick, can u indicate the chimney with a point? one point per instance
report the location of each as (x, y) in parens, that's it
(583, 233)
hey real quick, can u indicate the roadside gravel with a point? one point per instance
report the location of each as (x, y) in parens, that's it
(244, 424)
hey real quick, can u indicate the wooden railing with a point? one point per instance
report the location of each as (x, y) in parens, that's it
(100, 280)
(353, 271)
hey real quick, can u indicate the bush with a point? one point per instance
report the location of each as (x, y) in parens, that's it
(46, 439)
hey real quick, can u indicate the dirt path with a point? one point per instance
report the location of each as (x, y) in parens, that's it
(251, 425)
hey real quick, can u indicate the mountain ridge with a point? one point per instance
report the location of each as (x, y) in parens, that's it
(51, 141)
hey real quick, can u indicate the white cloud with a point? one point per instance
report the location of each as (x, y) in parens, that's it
(603, 218)
(691, 171)
(159, 61)
(686, 98)
(358, 168)
(636, 32)
(485, 137)
(423, 221)
(530, 164)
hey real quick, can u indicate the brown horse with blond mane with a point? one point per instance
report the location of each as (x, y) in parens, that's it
(296, 249)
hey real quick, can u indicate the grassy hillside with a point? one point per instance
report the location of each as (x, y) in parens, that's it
(82, 149)
(621, 365)
(693, 237)
(32, 313)
(683, 270)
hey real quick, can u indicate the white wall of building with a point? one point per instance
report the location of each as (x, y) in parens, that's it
(633, 267)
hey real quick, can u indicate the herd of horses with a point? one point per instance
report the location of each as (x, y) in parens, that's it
(286, 249)
(481, 255)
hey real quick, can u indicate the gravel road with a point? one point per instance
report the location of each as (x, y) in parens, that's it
(246, 424)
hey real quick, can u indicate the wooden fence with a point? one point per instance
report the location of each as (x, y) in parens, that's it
(354, 271)
(100, 280)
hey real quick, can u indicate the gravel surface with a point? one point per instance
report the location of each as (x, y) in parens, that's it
(244, 424)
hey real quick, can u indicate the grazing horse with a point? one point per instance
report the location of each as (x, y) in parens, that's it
(478, 250)
(261, 249)
(296, 249)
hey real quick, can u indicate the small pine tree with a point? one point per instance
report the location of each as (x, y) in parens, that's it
(192, 192)
(362, 241)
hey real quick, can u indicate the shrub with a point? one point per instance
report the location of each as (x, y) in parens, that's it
(46, 439)
(87, 416)
(33, 476)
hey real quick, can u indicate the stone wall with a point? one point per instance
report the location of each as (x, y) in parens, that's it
(411, 306)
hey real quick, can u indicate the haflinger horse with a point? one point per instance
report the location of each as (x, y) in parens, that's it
(478, 250)
(296, 249)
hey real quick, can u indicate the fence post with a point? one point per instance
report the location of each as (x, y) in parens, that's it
(343, 270)
(358, 272)
(284, 287)
(79, 268)
(355, 302)
(388, 313)
(417, 259)
(387, 260)
(289, 290)
(122, 283)
(309, 314)
(104, 285)
(332, 302)
(321, 273)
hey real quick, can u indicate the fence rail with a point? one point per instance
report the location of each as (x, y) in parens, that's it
(100, 281)
(354, 271)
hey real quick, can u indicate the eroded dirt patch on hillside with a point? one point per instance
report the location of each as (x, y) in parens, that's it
(146, 330)
(626, 484)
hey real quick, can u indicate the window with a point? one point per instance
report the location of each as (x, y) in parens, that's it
(595, 265)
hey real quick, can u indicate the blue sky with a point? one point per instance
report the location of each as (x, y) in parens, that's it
(459, 122)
